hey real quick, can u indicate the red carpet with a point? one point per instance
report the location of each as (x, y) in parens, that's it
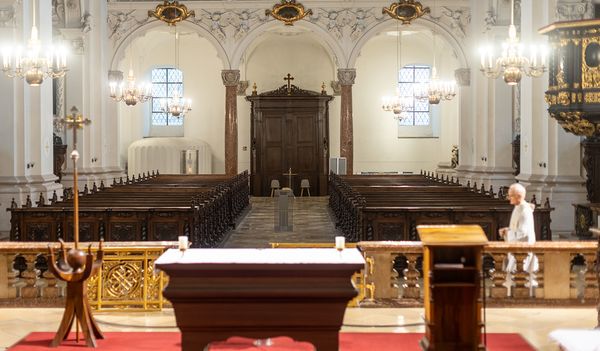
(170, 341)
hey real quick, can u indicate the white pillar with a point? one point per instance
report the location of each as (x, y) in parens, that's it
(26, 147)
(472, 99)
(486, 122)
(88, 90)
(550, 157)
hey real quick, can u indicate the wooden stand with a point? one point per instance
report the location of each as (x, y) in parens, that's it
(75, 267)
(452, 259)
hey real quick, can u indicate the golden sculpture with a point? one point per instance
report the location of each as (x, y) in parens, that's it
(288, 12)
(406, 10)
(171, 12)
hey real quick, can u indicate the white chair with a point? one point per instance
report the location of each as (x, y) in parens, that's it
(274, 186)
(304, 184)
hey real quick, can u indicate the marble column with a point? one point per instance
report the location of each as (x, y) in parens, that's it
(231, 78)
(346, 77)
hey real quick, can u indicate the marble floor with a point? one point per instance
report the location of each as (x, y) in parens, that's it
(533, 324)
(312, 223)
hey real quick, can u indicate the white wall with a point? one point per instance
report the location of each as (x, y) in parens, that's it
(376, 143)
(268, 61)
(202, 83)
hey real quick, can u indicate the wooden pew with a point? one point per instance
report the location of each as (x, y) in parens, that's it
(144, 208)
(390, 207)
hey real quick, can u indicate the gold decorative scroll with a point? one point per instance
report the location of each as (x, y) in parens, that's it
(171, 12)
(288, 12)
(406, 10)
(574, 122)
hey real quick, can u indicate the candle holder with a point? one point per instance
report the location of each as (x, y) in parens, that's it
(75, 266)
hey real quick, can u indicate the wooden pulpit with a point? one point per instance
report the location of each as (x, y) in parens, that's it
(452, 263)
(260, 293)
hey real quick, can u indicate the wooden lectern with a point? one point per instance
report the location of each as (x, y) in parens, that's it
(452, 262)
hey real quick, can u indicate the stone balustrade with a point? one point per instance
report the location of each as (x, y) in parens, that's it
(567, 271)
(127, 278)
(567, 274)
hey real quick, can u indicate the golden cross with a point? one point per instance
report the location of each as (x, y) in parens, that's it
(289, 79)
(76, 121)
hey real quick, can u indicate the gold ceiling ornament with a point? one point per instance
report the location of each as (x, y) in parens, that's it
(288, 12)
(406, 10)
(171, 12)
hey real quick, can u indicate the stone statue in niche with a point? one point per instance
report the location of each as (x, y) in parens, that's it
(454, 160)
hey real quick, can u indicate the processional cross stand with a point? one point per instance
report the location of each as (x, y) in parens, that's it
(289, 79)
(75, 266)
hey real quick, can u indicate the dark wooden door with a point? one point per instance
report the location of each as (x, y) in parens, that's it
(289, 132)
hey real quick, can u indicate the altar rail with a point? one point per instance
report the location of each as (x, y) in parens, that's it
(568, 271)
(568, 274)
(127, 279)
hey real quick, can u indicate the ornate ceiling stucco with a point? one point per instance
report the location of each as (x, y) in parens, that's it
(343, 28)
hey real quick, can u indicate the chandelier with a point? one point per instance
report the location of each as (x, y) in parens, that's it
(177, 106)
(436, 90)
(513, 64)
(35, 63)
(128, 92)
(399, 104)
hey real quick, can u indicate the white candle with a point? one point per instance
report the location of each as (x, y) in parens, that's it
(340, 242)
(183, 243)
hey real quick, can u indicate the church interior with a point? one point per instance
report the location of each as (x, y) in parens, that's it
(389, 130)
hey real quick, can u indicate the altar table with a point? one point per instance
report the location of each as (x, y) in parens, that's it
(260, 293)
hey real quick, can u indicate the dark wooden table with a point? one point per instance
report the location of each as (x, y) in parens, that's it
(260, 293)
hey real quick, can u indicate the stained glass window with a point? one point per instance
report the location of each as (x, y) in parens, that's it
(409, 79)
(165, 82)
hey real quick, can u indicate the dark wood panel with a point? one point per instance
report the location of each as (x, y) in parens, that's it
(289, 130)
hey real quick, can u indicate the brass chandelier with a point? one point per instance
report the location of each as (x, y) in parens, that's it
(512, 64)
(436, 90)
(128, 92)
(398, 104)
(35, 63)
(177, 105)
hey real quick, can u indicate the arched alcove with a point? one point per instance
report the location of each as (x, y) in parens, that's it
(266, 62)
(380, 144)
(201, 67)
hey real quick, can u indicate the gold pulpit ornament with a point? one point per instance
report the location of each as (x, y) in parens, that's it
(75, 266)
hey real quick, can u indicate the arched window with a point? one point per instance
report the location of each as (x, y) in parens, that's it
(166, 82)
(410, 80)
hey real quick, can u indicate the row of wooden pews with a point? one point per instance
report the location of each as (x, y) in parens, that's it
(389, 207)
(150, 207)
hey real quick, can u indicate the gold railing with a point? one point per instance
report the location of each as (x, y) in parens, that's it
(126, 280)
(559, 280)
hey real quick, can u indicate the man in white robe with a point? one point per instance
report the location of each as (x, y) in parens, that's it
(521, 228)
